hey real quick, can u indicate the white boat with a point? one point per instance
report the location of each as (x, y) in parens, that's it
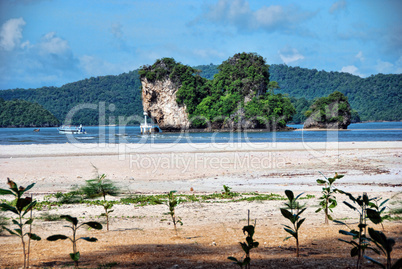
(71, 130)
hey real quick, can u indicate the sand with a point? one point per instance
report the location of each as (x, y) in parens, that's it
(211, 231)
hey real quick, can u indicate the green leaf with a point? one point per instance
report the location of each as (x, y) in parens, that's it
(374, 216)
(233, 259)
(354, 252)
(297, 197)
(397, 264)
(22, 203)
(349, 205)
(94, 224)
(28, 188)
(33, 236)
(320, 181)
(318, 210)
(57, 237)
(6, 207)
(287, 238)
(89, 239)
(75, 256)
(348, 233)
(19, 231)
(29, 207)
(287, 214)
(301, 211)
(6, 192)
(300, 222)
(374, 261)
(28, 222)
(340, 222)
(10, 231)
(290, 195)
(293, 233)
(68, 218)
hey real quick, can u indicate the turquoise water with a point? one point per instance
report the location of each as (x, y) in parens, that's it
(375, 131)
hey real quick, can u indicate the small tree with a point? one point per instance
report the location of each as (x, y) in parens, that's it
(360, 242)
(385, 246)
(100, 187)
(328, 200)
(172, 203)
(246, 246)
(75, 256)
(21, 207)
(292, 212)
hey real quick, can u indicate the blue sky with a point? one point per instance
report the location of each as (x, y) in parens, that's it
(54, 42)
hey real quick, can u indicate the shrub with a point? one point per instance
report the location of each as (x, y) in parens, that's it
(75, 256)
(21, 208)
(293, 214)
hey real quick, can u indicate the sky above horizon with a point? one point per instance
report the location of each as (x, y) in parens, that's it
(54, 42)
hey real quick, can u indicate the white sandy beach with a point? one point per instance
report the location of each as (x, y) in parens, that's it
(206, 167)
(211, 231)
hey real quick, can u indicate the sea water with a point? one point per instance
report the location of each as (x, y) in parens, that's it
(374, 131)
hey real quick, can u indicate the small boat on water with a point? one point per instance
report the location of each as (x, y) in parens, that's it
(71, 129)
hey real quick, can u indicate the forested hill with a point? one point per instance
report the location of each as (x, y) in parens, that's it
(20, 113)
(122, 91)
(375, 98)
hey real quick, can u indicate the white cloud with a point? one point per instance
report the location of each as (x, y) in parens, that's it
(52, 44)
(238, 13)
(11, 33)
(94, 66)
(351, 69)
(289, 55)
(384, 67)
(360, 56)
(116, 30)
(337, 6)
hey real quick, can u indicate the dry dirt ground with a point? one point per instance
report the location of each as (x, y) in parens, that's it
(211, 232)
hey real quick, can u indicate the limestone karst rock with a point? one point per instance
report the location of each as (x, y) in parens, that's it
(332, 112)
(159, 101)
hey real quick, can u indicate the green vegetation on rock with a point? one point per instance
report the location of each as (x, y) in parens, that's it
(329, 112)
(236, 97)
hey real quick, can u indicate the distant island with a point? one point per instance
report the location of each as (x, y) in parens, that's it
(20, 113)
(239, 97)
(376, 98)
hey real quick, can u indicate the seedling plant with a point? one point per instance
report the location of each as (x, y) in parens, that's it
(100, 187)
(75, 255)
(246, 246)
(360, 242)
(172, 203)
(328, 200)
(21, 207)
(292, 212)
(384, 246)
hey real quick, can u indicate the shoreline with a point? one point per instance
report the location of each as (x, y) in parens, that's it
(368, 166)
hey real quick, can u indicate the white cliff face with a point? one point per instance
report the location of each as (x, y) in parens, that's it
(159, 101)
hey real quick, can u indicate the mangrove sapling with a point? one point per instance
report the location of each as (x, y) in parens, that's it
(100, 187)
(292, 212)
(384, 246)
(172, 203)
(75, 256)
(21, 207)
(328, 200)
(246, 246)
(377, 205)
(360, 242)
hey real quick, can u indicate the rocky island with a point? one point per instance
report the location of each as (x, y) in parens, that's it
(332, 112)
(240, 97)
